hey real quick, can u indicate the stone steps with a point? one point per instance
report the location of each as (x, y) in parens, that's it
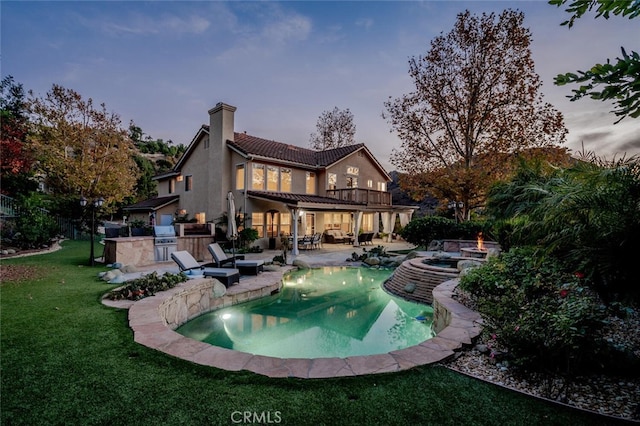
(425, 277)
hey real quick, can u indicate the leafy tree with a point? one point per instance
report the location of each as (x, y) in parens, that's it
(82, 150)
(15, 160)
(334, 130)
(476, 102)
(619, 82)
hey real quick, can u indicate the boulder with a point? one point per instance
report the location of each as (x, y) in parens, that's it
(118, 279)
(301, 264)
(467, 264)
(436, 245)
(412, 255)
(128, 269)
(372, 261)
(410, 288)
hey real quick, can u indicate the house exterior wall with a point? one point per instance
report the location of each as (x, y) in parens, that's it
(366, 171)
(211, 167)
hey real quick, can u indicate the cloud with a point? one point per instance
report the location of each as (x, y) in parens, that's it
(288, 28)
(139, 24)
(365, 23)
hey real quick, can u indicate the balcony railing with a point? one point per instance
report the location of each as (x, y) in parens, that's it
(361, 195)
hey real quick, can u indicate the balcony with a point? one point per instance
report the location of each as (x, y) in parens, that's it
(360, 195)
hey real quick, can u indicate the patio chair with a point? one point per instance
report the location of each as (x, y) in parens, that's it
(246, 267)
(317, 241)
(188, 263)
(306, 243)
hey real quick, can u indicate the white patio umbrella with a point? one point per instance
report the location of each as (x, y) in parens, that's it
(232, 227)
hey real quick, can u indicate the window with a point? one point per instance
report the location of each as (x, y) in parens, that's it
(332, 180)
(172, 186)
(188, 183)
(382, 186)
(369, 183)
(311, 183)
(200, 217)
(352, 182)
(367, 222)
(257, 223)
(285, 180)
(257, 179)
(240, 176)
(352, 170)
(206, 143)
(285, 223)
(272, 178)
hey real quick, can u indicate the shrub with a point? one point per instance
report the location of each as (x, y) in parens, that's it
(33, 227)
(423, 230)
(146, 286)
(546, 318)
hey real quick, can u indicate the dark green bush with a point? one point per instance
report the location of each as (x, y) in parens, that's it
(423, 230)
(33, 227)
(147, 285)
(545, 317)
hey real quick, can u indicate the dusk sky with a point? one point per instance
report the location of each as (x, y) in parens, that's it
(165, 64)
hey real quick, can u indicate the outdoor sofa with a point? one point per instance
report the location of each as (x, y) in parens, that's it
(334, 236)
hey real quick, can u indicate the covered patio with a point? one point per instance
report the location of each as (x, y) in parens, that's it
(347, 214)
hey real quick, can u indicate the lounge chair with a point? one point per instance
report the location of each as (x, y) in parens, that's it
(221, 260)
(187, 263)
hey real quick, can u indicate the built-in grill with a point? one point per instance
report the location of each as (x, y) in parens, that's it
(165, 242)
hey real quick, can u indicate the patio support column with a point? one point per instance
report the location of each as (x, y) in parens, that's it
(294, 219)
(357, 223)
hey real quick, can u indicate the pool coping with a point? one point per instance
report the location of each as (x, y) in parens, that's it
(455, 324)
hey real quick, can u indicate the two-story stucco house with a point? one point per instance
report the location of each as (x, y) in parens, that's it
(279, 188)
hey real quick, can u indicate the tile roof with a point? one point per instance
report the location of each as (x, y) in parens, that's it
(251, 145)
(153, 203)
(287, 197)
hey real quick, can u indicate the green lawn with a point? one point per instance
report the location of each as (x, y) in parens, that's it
(67, 359)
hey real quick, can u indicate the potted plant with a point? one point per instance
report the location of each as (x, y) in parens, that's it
(137, 227)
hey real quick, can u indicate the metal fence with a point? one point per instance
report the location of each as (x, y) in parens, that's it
(10, 209)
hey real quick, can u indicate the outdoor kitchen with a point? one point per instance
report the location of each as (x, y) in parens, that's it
(150, 249)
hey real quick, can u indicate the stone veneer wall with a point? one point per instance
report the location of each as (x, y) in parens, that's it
(456, 245)
(204, 296)
(448, 312)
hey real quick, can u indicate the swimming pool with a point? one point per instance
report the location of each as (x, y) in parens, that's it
(320, 313)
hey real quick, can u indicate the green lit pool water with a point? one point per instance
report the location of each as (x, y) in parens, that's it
(320, 313)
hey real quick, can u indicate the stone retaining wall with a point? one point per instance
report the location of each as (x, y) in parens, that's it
(205, 295)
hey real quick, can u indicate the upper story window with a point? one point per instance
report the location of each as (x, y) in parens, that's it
(240, 177)
(369, 183)
(272, 178)
(352, 182)
(257, 177)
(382, 186)
(352, 170)
(311, 183)
(332, 181)
(172, 186)
(285, 180)
(188, 183)
(206, 143)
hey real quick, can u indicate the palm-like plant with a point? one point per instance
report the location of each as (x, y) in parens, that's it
(587, 214)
